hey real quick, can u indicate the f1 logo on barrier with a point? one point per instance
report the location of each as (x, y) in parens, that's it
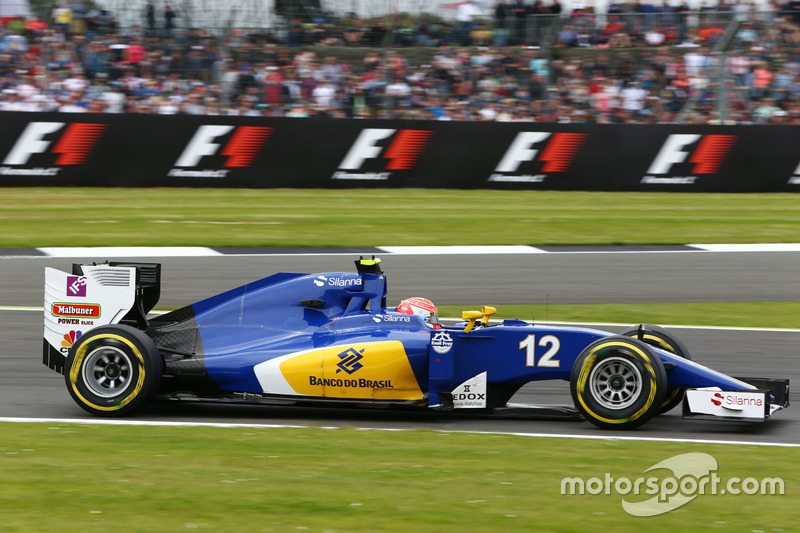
(556, 155)
(402, 153)
(795, 179)
(240, 150)
(73, 147)
(706, 158)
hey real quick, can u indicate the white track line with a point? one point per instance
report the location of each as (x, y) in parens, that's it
(130, 251)
(201, 251)
(774, 247)
(159, 423)
(460, 250)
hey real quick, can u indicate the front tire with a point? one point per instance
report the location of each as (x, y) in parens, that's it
(664, 339)
(113, 370)
(618, 383)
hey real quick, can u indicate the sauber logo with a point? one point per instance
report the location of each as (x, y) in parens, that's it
(402, 153)
(707, 157)
(240, 150)
(556, 154)
(72, 147)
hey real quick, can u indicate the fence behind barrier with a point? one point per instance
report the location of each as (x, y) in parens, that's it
(50, 149)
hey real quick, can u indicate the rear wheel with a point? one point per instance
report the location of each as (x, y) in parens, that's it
(113, 370)
(618, 383)
(664, 339)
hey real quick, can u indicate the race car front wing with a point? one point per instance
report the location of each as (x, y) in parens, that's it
(748, 405)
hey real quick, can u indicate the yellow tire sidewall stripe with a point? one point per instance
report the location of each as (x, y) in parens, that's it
(586, 370)
(74, 371)
(661, 343)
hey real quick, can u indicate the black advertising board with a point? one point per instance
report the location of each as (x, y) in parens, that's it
(59, 149)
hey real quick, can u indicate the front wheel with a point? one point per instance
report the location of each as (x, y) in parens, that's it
(618, 383)
(113, 370)
(664, 339)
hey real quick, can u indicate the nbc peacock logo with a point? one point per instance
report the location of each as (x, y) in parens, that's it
(69, 340)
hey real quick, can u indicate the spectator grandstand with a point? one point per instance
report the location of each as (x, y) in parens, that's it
(536, 61)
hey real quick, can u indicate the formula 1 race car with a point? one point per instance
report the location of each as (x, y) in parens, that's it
(330, 338)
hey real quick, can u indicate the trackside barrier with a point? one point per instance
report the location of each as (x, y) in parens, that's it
(58, 149)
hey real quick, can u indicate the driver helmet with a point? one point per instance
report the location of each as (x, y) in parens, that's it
(423, 308)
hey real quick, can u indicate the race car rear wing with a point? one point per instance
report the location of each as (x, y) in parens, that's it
(94, 295)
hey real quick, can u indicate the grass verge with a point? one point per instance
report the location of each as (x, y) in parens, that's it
(66, 477)
(34, 217)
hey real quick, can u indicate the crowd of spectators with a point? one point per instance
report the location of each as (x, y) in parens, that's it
(618, 77)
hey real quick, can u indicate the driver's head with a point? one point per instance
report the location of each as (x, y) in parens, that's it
(423, 308)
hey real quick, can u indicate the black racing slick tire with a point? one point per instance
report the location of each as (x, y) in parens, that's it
(618, 383)
(664, 339)
(113, 370)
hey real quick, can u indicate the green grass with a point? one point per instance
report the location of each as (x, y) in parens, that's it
(734, 314)
(83, 478)
(33, 217)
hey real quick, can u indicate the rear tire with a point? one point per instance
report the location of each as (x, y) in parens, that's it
(113, 370)
(618, 383)
(664, 339)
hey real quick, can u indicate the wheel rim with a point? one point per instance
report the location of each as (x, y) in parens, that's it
(107, 371)
(615, 383)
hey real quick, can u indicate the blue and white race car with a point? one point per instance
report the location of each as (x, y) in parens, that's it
(330, 338)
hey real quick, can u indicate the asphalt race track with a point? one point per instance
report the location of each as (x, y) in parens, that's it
(30, 390)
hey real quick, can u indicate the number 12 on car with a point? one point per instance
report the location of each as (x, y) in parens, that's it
(548, 341)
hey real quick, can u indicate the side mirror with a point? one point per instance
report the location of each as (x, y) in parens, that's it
(472, 316)
(487, 312)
